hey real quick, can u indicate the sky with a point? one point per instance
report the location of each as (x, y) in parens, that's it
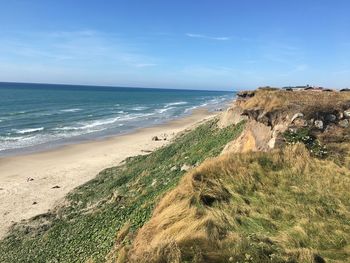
(190, 44)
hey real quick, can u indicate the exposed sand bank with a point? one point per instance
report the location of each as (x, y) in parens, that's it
(34, 183)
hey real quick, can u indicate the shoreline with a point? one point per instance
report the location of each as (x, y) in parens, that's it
(34, 183)
(87, 138)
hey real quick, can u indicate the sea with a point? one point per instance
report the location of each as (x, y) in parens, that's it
(35, 117)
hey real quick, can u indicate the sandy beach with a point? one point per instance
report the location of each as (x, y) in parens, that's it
(34, 183)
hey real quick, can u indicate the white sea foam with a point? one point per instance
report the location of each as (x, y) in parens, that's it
(71, 110)
(67, 128)
(190, 109)
(102, 122)
(176, 103)
(17, 113)
(139, 108)
(14, 142)
(11, 138)
(29, 130)
(164, 109)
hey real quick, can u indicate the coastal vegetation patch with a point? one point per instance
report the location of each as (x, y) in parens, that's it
(85, 227)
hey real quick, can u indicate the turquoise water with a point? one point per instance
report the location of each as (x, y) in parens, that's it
(41, 116)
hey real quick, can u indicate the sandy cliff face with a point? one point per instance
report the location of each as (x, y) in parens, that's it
(271, 113)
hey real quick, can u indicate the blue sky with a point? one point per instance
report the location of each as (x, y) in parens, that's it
(197, 44)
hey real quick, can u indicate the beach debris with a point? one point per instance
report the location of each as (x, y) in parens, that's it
(155, 138)
(162, 137)
(146, 151)
(29, 179)
(34, 203)
(56, 186)
(174, 168)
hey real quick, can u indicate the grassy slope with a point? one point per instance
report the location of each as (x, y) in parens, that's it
(85, 227)
(280, 206)
(283, 206)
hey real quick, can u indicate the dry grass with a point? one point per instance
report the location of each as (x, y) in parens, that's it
(283, 206)
(271, 100)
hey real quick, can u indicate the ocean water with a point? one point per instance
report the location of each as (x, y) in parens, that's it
(42, 116)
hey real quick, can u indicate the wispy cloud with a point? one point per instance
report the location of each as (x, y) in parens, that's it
(207, 37)
(84, 48)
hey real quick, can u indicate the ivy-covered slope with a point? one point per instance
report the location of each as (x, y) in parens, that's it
(84, 228)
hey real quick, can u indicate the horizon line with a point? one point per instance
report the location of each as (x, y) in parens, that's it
(111, 86)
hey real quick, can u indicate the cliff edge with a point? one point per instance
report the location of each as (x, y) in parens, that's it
(277, 193)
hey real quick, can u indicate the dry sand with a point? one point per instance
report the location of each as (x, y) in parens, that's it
(70, 166)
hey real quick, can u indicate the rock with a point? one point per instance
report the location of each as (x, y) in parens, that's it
(272, 143)
(344, 123)
(340, 115)
(297, 115)
(155, 138)
(56, 187)
(347, 113)
(174, 168)
(154, 182)
(231, 116)
(319, 124)
(255, 137)
(331, 118)
(185, 167)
